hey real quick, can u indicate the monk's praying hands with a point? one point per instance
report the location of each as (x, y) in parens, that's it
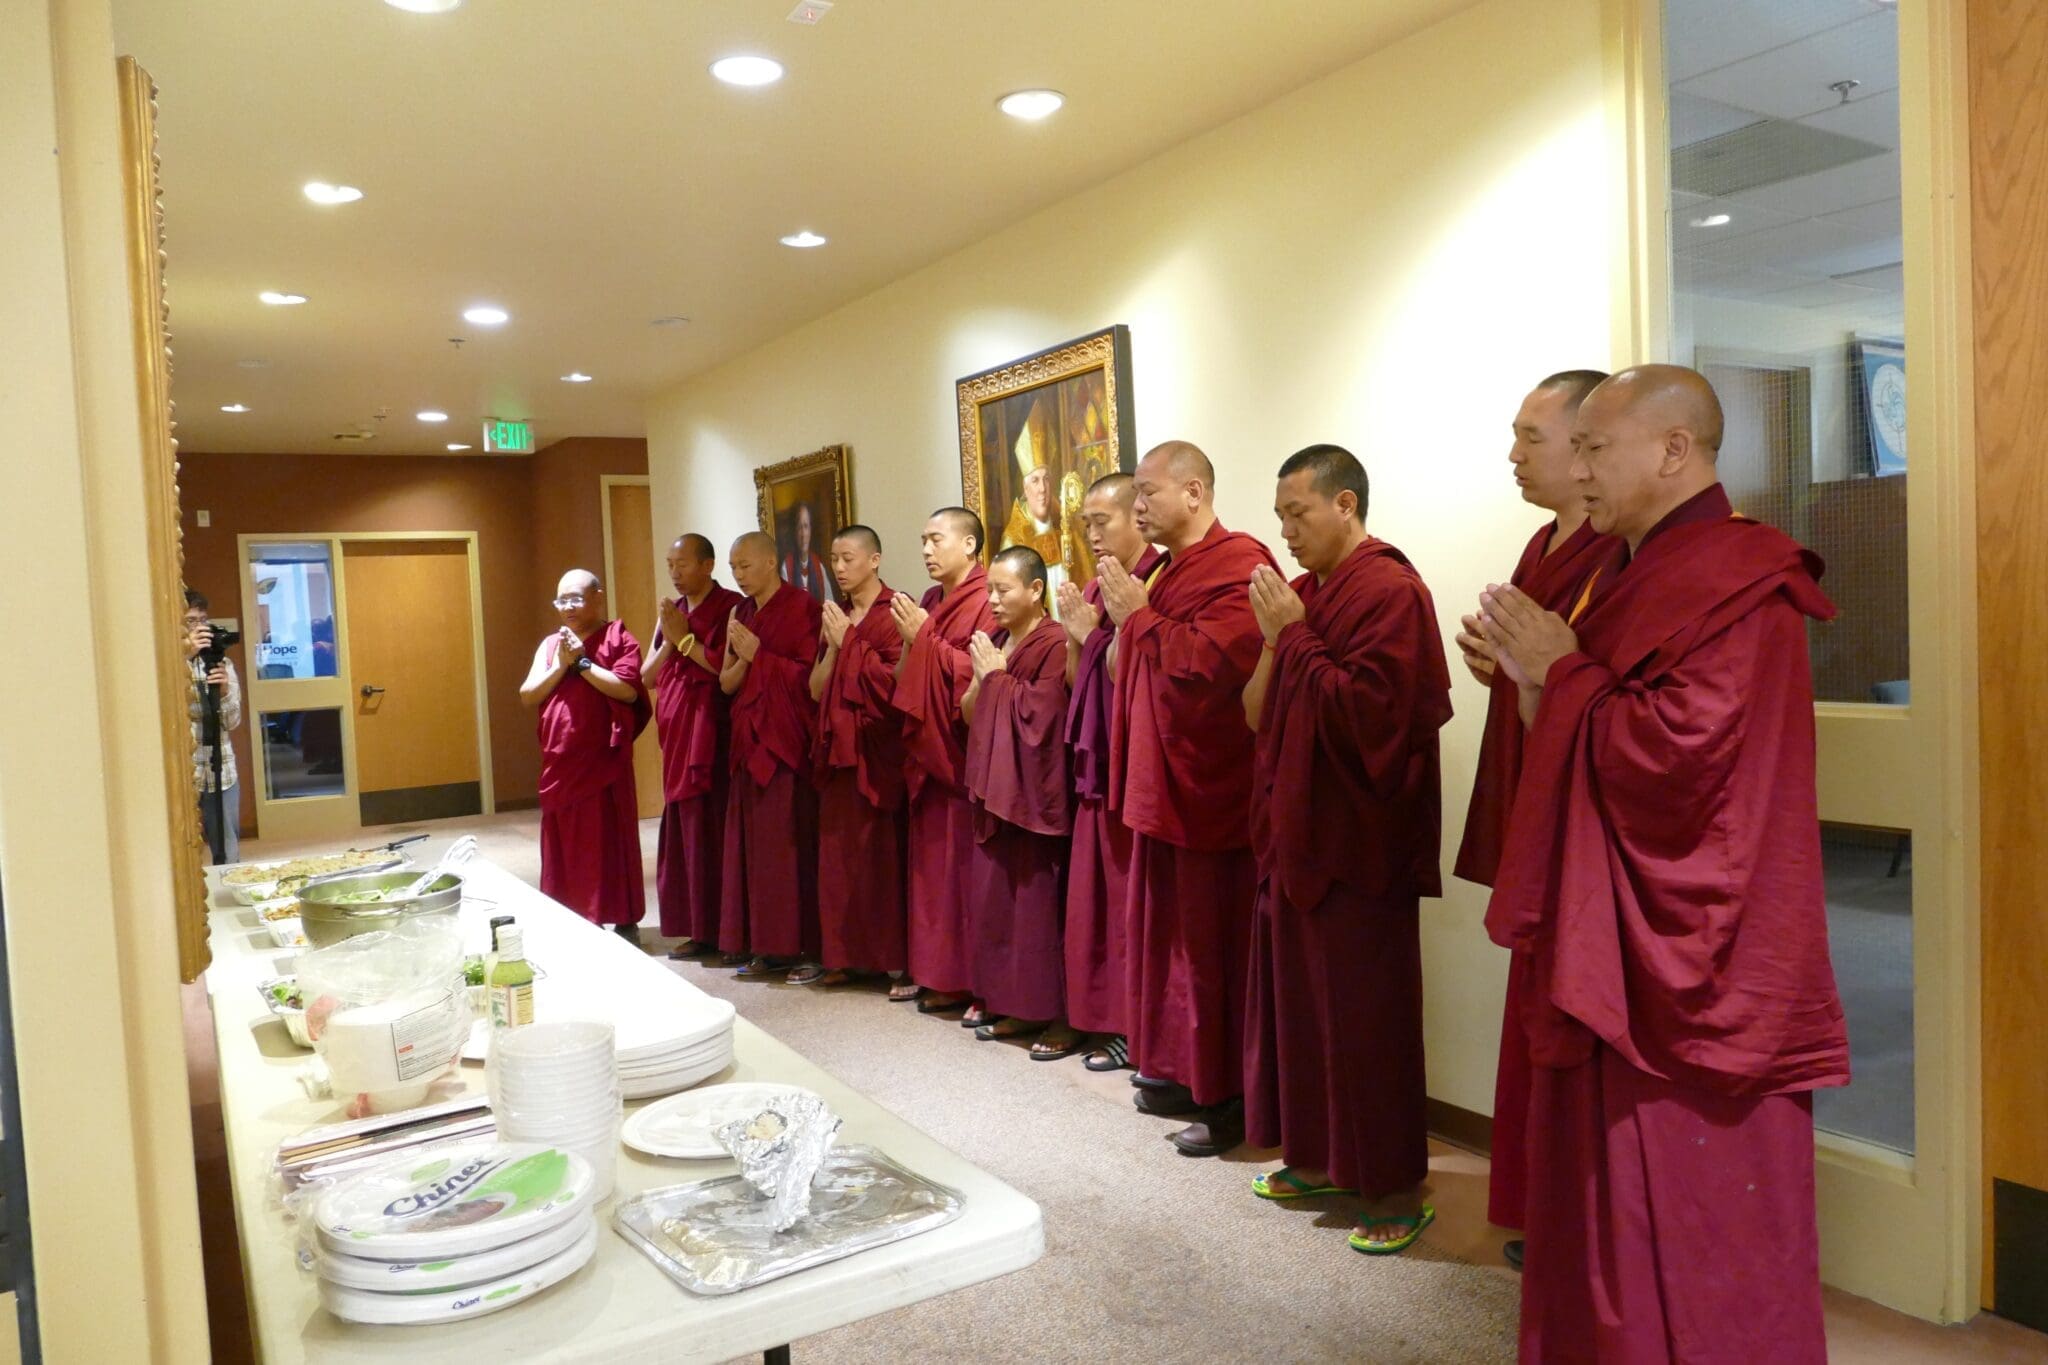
(571, 647)
(740, 640)
(1080, 619)
(1477, 651)
(910, 617)
(1122, 595)
(987, 658)
(835, 622)
(1276, 605)
(1526, 639)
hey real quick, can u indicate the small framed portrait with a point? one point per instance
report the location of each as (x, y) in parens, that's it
(803, 503)
(1034, 434)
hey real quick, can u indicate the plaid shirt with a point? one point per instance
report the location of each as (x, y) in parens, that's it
(230, 717)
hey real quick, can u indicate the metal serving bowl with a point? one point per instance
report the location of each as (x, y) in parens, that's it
(328, 919)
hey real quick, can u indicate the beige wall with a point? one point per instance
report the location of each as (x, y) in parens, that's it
(84, 842)
(1387, 258)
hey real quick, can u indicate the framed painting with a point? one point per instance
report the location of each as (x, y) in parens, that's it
(803, 503)
(1034, 434)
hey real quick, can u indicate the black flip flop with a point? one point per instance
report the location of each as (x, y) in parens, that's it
(930, 1005)
(1113, 1055)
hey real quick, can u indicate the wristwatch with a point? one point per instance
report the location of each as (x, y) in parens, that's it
(585, 664)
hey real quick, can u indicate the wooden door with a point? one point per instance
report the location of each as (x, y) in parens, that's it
(412, 672)
(629, 558)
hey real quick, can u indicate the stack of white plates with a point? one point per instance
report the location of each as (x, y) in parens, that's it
(667, 1065)
(556, 1084)
(471, 1230)
(661, 1049)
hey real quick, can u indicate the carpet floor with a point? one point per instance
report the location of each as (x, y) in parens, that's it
(1150, 1255)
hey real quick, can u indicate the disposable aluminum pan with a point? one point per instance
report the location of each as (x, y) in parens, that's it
(327, 916)
(715, 1236)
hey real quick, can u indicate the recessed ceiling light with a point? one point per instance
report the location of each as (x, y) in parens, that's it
(486, 315)
(673, 320)
(253, 364)
(1031, 105)
(234, 407)
(805, 239)
(1712, 220)
(747, 70)
(320, 192)
(431, 416)
(575, 377)
(457, 445)
(278, 300)
(425, 6)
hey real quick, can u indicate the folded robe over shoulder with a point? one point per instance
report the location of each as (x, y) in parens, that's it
(858, 724)
(773, 716)
(1179, 748)
(689, 708)
(1663, 858)
(861, 906)
(590, 840)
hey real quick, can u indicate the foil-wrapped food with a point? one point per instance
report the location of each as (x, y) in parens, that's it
(779, 1150)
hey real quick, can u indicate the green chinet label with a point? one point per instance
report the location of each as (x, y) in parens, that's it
(531, 1180)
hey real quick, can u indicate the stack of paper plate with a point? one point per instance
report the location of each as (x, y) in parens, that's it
(467, 1231)
(669, 1046)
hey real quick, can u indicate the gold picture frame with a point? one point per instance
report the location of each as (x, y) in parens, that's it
(1035, 433)
(803, 503)
(143, 203)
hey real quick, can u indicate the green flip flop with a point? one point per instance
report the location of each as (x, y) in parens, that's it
(1415, 1224)
(1290, 1186)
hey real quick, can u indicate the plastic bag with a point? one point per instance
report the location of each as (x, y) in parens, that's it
(387, 1012)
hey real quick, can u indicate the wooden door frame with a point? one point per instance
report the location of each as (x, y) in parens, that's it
(605, 484)
(481, 700)
(1874, 1202)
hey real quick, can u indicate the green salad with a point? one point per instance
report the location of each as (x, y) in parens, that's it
(286, 994)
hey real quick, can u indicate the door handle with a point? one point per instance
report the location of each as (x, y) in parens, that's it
(369, 691)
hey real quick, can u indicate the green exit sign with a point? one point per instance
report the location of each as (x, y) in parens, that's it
(508, 438)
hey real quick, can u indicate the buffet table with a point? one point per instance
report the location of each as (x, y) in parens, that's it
(619, 1308)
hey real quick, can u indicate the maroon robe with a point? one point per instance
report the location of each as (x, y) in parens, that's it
(1017, 779)
(862, 915)
(769, 904)
(589, 812)
(1179, 759)
(1558, 580)
(936, 671)
(1662, 870)
(1098, 869)
(690, 717)
(1346, 821)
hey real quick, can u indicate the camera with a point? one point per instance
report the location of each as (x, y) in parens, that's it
(217, 647)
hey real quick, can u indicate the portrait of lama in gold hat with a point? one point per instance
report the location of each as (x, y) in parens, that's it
(1034, 435)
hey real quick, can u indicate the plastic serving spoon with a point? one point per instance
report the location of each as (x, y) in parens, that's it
(459, 852)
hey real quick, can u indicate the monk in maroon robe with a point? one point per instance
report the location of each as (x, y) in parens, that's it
(585, 682)
(931, 678)
(858, 758)
(769, 905)
(1663, 871)
(1098, 979)
(1180, 762)
(1016, 711)
(1560, 562)
(690, 719)
(1346, 819)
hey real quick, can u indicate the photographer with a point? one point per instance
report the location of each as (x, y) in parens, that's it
(210, 668)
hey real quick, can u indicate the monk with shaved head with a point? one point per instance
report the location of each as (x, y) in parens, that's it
(1180, 762)
(931, 678)
(1098, 985)
(1662, 872)
(690, 718)
(585, 682)
(769, 904)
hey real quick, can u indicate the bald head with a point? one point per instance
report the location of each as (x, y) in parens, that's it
(1176, 495)
(951, 543)
(1644, 442)
(1110, 521)
(690, 562)
(855, 558)
(753, 565)
(695, 545)
(579, 601)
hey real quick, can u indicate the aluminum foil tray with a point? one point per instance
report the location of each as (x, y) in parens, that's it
(715, 1236)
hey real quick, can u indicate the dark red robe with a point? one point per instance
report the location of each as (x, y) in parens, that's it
(1662, 869)
(690, 716)
(862, 915)
(1346, 822)
(589, 813)
(769, 904)
(1179, 761)
(1557, 580)
(1017, 778)
(1098, 982)
(936, 672)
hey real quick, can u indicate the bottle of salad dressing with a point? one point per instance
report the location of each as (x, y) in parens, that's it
(510, 980)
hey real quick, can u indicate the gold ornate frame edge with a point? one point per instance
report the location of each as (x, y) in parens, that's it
(835, 457)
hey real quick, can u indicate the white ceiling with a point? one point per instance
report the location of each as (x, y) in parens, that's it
(1826, 241)
(572, 161)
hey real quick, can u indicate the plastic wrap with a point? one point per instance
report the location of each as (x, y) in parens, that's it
(387, 1012)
